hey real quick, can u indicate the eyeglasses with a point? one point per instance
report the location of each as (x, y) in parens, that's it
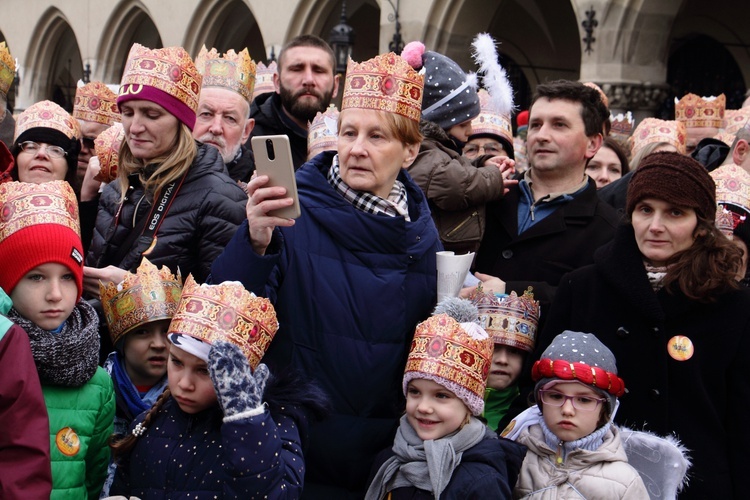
(88, 142)
(583, 403)
(33, 148)
(491, 148)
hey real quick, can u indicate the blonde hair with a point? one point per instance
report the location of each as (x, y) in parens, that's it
(643, 152)
(169, 168)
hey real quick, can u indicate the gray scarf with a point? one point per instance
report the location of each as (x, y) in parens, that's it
(68, 358)
(426, 465)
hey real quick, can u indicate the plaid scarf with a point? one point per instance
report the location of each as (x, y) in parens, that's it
(393, 206)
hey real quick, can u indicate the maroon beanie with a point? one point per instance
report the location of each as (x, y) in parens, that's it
(676, 179)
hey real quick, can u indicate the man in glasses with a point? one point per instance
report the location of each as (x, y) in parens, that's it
(96, 110)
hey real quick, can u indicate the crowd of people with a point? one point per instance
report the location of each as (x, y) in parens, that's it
(163, 333)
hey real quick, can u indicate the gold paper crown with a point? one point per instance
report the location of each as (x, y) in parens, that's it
(170, 70)
(490, 120)
(442, 349)
(95, 102)
(322, 134)
(622, 124)
(47, 114)
(725, 137)
(696, 111)
(23, 204)
(149, 294)
(732, 185)
(652, 130)
(384, 83)
(510, 320)
(232, 71)
(7, 69)
(226, 312)
(107, 147)
(728, 220)
(264, 79)
(735, 119)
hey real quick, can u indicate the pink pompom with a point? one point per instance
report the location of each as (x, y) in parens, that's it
(412, 53)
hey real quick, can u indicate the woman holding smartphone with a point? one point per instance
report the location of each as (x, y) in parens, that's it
(353, 275)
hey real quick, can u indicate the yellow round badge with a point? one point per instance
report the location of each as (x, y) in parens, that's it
(680, 348)
(67, 441)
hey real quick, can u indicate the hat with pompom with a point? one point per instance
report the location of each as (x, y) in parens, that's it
(451, 349)
(450, 95)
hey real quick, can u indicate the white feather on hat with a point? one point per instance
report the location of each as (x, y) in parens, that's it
(494, 77)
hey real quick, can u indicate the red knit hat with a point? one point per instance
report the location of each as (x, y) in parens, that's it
(38, 225)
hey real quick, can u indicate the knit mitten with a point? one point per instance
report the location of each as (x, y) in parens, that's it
(239, 390)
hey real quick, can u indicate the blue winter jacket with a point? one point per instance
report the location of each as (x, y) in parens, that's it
(349, 288)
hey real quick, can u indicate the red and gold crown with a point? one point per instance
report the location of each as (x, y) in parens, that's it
(652, 130)
(697, 111)
(233, 71)
(384, 83)
(107, 147)
(732, 185)
(226, 312)
(735, 119)
(444, 352)
(25, 204)
(264, 79)
(622, 125)
(490, 120)
(728, 220)
(149, 294)
(322, 134)
(47, 114)
(7, 69)
(95, 102)
(510, 320)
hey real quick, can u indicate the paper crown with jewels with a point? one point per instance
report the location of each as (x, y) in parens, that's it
(697, 111)
(509, 320)
(384, 83)
(107, 147)
(652, 130)
(455, 355)
(322, 134)
(727, 220)
(7, 69)
(233, 71)
(735, 119)
(226, 312)
(622, 125)
(47, 114)
(149, 294)
(732, 186)
(491, 120)
(167, 77)
(264, 78)
(95, 102)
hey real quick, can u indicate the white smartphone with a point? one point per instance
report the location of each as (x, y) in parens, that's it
(273, 157)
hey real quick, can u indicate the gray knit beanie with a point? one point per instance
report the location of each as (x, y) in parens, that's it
(580, 357)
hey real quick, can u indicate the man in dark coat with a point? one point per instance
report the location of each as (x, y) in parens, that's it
(305, 84)
(552, 221)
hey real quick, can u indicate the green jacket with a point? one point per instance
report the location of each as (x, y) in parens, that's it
(80, 420)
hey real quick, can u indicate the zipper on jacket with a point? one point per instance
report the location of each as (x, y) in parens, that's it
(463, 223)
(135, 212)
(559, 458)
(531, 210)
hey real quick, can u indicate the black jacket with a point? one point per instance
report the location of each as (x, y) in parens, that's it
(241, 168)
(704, 400)
(270, 120)
(203, 217)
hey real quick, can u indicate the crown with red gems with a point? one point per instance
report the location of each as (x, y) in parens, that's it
(149, 294)
(7, 69)
(232, 71)
(728, 220)
(384, 83)
(264, 78)
(226, 312)
(47, 114)
(697, 111)
(652, 130)
(509, 320)
(732, 186)
(491, 120)
(452, 354)
(735, 119)
(107, 147)
(95, 102)
(322, 134)
(622, 124)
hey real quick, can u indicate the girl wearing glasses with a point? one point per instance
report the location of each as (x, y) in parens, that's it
(574, 448)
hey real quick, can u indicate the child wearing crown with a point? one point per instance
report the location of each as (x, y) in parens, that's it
(574, 449)
(441, 449)
(219, 428)
(41, 244)
(138, 312)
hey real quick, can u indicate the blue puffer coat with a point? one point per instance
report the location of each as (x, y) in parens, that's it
(349, 288)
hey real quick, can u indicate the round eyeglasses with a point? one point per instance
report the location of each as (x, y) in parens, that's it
(490, 148)
(583, 403)
(33, 148)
